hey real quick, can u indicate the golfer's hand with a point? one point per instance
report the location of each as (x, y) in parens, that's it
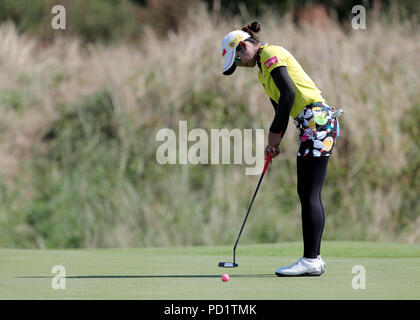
(272, 150)
(274, 140)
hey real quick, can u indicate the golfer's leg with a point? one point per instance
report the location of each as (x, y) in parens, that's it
(318, 251)
(311, 174)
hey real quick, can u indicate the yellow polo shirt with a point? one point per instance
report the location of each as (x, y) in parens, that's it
(306, 92)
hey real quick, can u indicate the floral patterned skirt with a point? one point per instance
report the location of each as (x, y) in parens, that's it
(318, 130)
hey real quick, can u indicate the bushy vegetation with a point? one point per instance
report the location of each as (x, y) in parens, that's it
(78, 137)
(94, 20)
(126, 20)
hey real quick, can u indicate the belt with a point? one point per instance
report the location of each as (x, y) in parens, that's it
(336, 113)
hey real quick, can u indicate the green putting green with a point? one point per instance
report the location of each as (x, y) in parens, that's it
(392, 271)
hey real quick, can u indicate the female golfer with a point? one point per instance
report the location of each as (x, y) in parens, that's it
(292, 93)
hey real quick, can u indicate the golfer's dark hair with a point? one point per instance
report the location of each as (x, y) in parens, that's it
(252, 28)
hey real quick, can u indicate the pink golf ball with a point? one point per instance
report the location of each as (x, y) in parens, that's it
(225, 277)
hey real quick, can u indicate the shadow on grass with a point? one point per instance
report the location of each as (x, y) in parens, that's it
(153, 276)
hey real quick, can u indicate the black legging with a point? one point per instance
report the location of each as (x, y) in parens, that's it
(310, 177)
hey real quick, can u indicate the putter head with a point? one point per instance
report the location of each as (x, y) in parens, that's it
(228, 264)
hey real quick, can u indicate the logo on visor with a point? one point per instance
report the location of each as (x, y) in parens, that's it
(235, 41)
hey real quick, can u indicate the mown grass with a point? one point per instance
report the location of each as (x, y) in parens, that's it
(78, 137)
(391, 272)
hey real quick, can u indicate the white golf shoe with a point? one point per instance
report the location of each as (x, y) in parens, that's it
(303, 267)
(323, 263)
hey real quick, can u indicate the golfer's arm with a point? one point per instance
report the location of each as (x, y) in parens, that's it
(274, 104)
(287, 97)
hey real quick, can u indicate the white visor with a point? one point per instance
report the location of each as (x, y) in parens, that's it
(229, 44)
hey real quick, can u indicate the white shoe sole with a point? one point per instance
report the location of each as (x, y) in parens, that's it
(306, 274)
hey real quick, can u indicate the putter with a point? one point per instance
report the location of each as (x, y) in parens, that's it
(234, 264)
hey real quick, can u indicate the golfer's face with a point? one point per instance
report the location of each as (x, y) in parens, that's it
(246, 55)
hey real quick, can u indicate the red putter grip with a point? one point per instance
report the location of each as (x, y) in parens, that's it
(267, 161)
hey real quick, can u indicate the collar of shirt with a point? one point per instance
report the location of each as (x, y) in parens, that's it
(259, 55)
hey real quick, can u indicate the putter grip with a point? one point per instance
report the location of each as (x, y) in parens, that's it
(267, 161)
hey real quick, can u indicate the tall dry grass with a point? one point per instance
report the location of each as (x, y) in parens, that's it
(78, 137)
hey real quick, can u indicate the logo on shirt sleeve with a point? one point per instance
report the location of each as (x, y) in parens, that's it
(271, 61)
